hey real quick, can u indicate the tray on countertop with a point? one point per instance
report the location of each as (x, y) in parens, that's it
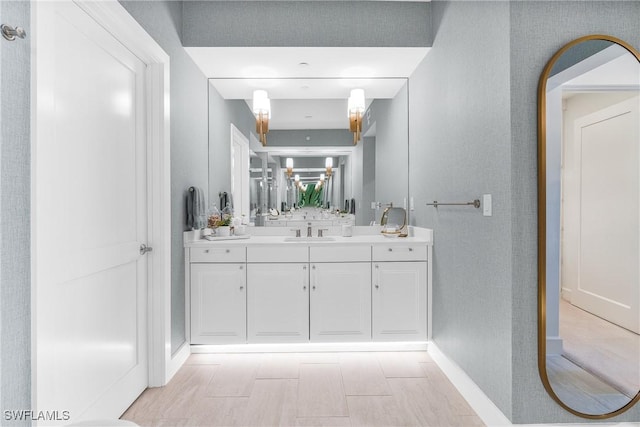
(216, 238)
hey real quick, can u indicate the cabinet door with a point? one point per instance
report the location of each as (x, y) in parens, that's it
(278, 303)
(340, 302)
(218, 304)
(399, 301)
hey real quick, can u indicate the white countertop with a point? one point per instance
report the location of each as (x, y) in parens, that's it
(365, 237)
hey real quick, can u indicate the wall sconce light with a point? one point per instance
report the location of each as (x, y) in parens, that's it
(328, 164)
(262, 111)
(355, 107)
(289, 167)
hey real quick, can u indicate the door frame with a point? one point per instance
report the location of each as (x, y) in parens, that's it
(117, 21)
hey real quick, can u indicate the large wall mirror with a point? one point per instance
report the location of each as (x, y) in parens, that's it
(309, 125)
(589, 227)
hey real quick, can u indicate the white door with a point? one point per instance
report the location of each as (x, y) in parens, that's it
(399, 297)
(340, 302)
(240, 172)
(608, 284)
(218, 303)
(277, 303)
(90, 218)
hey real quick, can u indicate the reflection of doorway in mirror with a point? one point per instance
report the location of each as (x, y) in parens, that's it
(239, 173)
(600, 220)
(600, 241)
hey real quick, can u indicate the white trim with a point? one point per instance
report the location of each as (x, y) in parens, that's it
(554, 345)
(178, 359)
(115, 19)
(479, 402)
(311, 347)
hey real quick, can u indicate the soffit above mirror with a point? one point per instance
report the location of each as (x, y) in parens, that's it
(321, 62)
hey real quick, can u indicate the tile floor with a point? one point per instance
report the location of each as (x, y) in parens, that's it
(305, 389)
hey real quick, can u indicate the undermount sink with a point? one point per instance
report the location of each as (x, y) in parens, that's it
(309, 239)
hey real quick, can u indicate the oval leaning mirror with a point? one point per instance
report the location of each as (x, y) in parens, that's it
(589, 227)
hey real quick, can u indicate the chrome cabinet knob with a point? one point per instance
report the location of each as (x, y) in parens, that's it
(377, 286)
(390, 250)
(241, 287)
(227, 251)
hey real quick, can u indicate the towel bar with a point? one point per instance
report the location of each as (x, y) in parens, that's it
(475, 204)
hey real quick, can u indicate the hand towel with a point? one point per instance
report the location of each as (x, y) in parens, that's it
(196, 214)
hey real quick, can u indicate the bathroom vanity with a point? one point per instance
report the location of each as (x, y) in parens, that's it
(283, 289)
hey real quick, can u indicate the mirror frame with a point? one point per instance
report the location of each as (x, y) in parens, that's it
(542, 226)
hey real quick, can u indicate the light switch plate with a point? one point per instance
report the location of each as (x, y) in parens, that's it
(486, 205)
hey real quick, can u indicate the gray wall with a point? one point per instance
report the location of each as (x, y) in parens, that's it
(473, 110)
(306, 23)
(15, 261)
(365, 215)
(537, 31)
(459, 149)
(319, 137)
(389, 116)
(223, 113)
(189, 142)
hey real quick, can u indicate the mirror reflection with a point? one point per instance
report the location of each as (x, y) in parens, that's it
(305, 155)
(591, 142)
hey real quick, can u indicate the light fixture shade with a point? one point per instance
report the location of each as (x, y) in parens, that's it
(356, 101)
(289, 163)
(262, 111)
(261, 102)
(328, 162)
(297, 178)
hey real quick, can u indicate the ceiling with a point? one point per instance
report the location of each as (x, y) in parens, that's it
(309, 86)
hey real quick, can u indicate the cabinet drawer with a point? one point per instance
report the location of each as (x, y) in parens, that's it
(340, 253)
(399, 252)
(278, 253)
(219, 254)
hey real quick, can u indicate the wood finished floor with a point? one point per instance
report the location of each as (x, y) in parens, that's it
(305, 389)
(606, 350)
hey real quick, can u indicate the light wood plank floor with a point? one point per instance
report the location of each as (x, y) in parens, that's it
(604, 349)
(306, 389)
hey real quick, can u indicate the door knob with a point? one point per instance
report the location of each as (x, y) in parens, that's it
(144, 249)
(11, 33)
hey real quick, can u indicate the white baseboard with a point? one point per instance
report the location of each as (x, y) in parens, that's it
(479, 402)
(310, 347)
(177, 360)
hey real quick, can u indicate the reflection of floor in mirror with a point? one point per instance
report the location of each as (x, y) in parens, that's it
(580, 390)
(600, 347)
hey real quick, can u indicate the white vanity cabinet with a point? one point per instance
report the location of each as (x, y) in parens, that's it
(277, 294)
(272, 290)
(399, 294)
(218, 303)
(340, 297)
